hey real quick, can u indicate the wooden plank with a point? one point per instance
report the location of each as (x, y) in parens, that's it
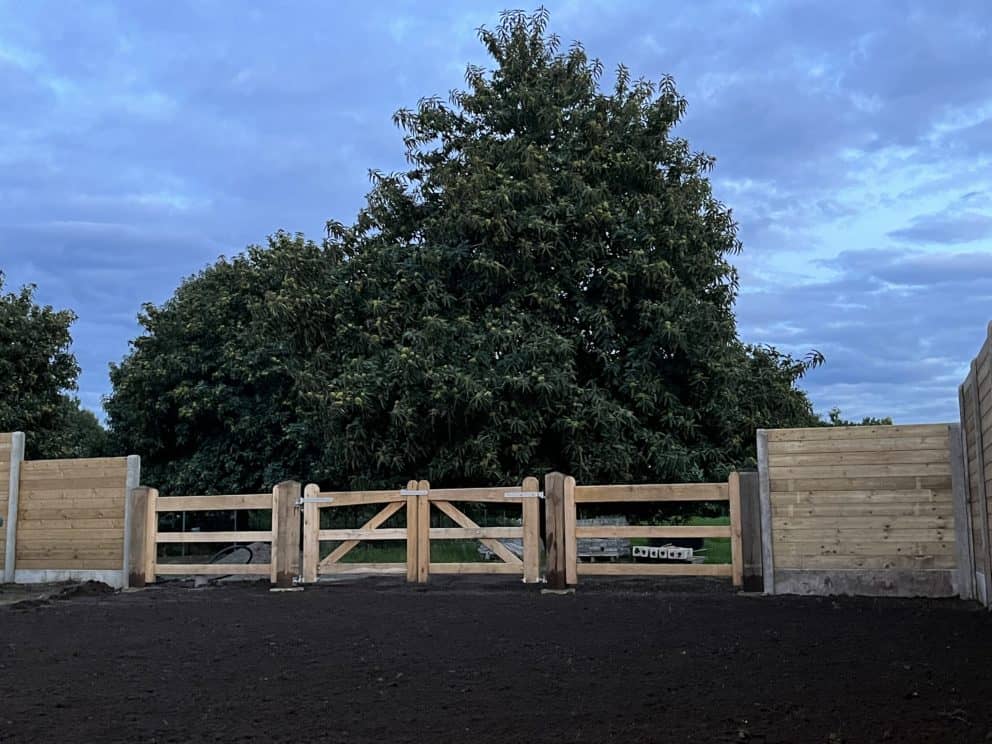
(859, 471)
(471, 533)
(630, 531)
(824, 536)
(56, 484)
(655, 569)
(81, 464)
(71, 522)
(891, 457)
(52, 552)
(489, 495)
(855, 432)
(286, 539)
(214, 537)
(362, 498)
(569, 519)
(213, 569)
(34, 514)
(363, 568)
(845, 522)
(396, 533)
(346, 547)
(943, 508)
(891, 483)
(531, 517)
(90, 498)
(867, 548)
(424, 529)
(875, 497)
(105, 563)
(554, 536)
(915, 562)
(825, 446)
(28, 534)
(232, 502)
(652, 492)
(311, 533)
(736, 548)
(481, 567)
(412, 535)
(461, 519)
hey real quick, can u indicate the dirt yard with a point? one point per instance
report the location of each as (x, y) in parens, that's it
(463, 661)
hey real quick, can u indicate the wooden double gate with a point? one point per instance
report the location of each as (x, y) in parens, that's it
(418, 503)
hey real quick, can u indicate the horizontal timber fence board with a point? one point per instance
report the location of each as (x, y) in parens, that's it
(876, 510)
(564, 497)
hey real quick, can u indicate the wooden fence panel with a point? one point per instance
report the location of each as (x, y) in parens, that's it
(861, 510)
(566, 531)
(71, 516)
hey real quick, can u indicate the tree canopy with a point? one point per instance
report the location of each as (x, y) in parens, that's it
(37, 369)
(547, 286)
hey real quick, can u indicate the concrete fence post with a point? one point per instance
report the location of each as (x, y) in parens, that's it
(286, 543)
(132, 481)
(765, 502)
(13, 491)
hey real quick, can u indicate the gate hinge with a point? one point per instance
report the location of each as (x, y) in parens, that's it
(314, 500)
(525, 495)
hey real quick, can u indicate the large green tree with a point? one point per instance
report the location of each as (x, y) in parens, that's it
(547, 286)
(37, 371)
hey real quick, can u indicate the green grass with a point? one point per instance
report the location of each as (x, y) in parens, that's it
(717, 548)
(442, 551)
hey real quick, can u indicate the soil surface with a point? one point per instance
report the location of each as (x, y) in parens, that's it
(466, 661)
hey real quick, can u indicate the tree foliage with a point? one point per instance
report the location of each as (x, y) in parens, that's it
(36, 370)
(547, 286)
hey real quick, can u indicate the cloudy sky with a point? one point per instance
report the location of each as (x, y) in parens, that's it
(141, 140)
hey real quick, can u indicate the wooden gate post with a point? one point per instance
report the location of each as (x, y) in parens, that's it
(554, 539)
(751, 532)
(137, 536)
(736, 547)
(423, 532)
(532, 530)
(286, 541)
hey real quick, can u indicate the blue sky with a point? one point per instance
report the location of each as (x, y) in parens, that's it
(141, 140)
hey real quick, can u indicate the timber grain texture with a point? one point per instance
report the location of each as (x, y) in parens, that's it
(862, 510)
(71, 514)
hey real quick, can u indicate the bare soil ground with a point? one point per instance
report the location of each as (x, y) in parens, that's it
(468, 661)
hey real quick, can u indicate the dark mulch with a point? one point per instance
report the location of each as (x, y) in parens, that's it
(462, 660)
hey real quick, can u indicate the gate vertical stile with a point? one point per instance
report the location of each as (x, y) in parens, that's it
(412, 545)
(531, 520)
(423, 531)
(311, 533)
